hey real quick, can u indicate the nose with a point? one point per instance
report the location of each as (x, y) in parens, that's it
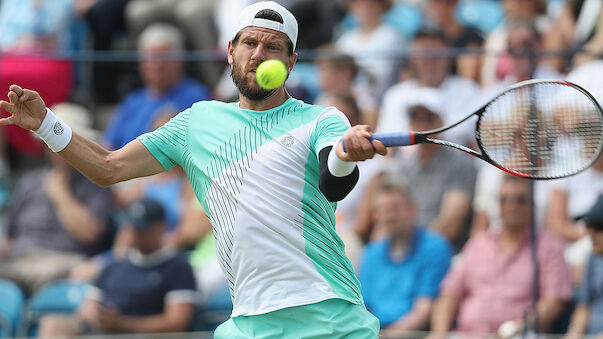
(259, 53)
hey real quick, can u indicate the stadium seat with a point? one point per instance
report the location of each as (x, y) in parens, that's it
(57, 297)
(11, 303)
(407, 18)
(484, 15)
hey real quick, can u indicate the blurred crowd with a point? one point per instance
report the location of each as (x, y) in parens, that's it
(441, 241)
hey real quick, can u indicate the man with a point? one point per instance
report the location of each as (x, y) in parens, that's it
(431, 70)
(491, 286)
(166, 92)
(153, 290)
(401, 274)
(267, 175)
(57, 217)
(446, 178)
(588, 314)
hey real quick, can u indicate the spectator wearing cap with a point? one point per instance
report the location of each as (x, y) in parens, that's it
(152, 290)
(588, 314)
(491, 287)
(57, 217)
(442, 181)
(166, 92)
(401, 273)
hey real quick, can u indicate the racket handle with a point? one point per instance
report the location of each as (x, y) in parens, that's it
(395, 138)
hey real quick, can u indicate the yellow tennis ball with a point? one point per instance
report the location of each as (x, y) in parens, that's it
(271, 74)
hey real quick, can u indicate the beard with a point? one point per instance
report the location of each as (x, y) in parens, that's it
(248, 88)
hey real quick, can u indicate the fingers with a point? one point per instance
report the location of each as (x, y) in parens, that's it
(27, 95)
(17, 89)
(13, 97)
(358, 145)
(379, 147)
(7, 106)
(6, 121)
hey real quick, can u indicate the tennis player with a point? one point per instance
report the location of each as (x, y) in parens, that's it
(268, 176)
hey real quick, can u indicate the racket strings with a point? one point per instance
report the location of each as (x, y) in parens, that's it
(543, 130)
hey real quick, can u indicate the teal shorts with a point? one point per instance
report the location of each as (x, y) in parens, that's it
(332, 318)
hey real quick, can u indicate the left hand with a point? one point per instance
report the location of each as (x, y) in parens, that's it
(109, 320)
(358, 147)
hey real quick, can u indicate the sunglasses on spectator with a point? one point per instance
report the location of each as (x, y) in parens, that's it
(518, 199)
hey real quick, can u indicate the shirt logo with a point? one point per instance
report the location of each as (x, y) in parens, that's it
(58, 128)
(287, 141)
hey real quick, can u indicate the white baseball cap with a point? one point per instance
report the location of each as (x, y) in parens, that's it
(248, 18)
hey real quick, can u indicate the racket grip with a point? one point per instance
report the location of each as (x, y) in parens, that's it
(395, 138)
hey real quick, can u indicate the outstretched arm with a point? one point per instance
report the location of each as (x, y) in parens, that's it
(103, 167)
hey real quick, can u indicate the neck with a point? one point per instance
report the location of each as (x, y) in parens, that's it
(510, 238)
(399, 245)
(370, 25)
(277, 98)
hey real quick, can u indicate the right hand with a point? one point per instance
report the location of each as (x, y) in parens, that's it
(26, 107)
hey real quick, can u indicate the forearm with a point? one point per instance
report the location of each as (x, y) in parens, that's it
(443, 313)
(417, 319)
(335, 186)
(154, 324)
(453, 214)
(77, 219)
(579, 320)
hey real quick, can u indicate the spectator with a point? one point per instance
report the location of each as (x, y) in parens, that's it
(153, 290)
(401, 274)
(57, 217)
(373, 44)
(105, 18)
(492, 282)
(431, 70)
(588, 314)
(29, 30)
(445, 180)
(533, 11)
(166, 91)
(195, 18)
(339, 75)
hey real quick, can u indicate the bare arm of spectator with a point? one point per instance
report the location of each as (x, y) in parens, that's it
(176, 317)
(100, 165)
(579, 321)
(74, 216)
(454, 210)
(549, 310)
(444, 312)
(193, 226)
(559, 221)
(417, 319)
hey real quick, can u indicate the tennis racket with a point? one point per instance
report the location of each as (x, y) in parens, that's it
(537, 129)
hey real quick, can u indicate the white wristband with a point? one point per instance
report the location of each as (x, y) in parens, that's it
(55, 133)
(338, 167)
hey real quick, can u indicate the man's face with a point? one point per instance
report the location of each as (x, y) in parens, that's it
(514, 202)
(255, 45)
(429, 68)
(394, 211)
(148, 240)
(158, 73)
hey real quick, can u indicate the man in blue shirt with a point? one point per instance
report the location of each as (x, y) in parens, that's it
(401, 273)
(153, 290)
(167, 91)
(588, 315)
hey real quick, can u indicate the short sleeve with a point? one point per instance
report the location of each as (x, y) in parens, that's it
(331, 125)
(182, 286)
(169, 142)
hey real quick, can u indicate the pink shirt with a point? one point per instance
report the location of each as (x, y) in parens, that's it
(495, 286)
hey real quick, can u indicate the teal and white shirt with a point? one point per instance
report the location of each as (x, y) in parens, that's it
(256, 174)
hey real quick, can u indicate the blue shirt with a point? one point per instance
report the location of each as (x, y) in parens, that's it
(140, 109)
(141, 289)
(390, 288)
(591, 293)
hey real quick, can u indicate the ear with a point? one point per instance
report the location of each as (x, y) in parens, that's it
(292, 61)
(230, 52)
